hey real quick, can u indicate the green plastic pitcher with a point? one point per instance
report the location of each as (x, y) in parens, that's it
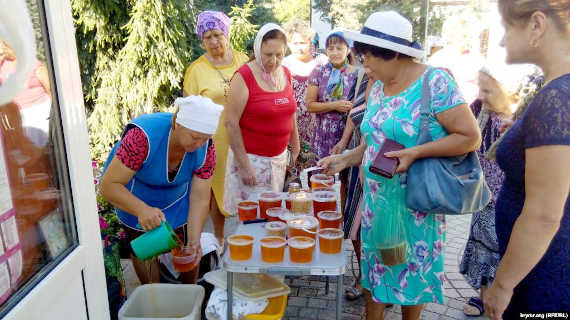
(155, 242)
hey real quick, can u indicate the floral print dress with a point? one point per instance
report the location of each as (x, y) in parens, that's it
(329, 126)
(420, 278)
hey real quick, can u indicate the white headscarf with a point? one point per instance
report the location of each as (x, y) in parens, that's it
(257, 48)
(198, 113)
(510, 76)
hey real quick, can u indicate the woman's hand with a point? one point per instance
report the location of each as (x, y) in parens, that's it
(406, 156)
(150, 218)
(343, 106)
(496, 300)
(339, 147)
(332, 164)
(247, 175)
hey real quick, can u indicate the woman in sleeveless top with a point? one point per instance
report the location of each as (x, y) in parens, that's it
(260, 121)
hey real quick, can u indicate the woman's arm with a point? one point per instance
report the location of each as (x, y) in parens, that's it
(294, 141)
(199, 208)
(237, 101)
(335, 163)
(464, 136)
(113, 189)
(547, 181)
(319, 107)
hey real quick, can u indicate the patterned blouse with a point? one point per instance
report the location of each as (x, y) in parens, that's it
(134, 149)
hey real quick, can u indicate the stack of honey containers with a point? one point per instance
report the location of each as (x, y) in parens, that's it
(295, 218)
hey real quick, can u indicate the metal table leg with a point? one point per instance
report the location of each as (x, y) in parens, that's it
(339, 290)
(229, 291)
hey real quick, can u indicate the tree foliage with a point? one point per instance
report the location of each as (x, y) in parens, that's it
(243, 31)
(287, 10)
(133, 54)
(339, 14)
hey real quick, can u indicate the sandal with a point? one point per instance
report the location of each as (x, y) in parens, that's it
(353, 293)
(473, 307)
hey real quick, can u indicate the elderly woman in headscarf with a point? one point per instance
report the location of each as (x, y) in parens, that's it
(159, 171)
(328, 94)
(260, 119)
(209, 76)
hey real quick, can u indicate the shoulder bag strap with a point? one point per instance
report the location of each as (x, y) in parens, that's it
(357, 87)
(424, 135)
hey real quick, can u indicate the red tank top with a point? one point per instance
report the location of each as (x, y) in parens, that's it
(267, 120)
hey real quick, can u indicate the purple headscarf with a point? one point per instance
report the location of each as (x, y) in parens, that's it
(212, 20)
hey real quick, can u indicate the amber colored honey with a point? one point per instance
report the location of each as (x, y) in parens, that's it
(301, 249)
(329, 219)
(321, 181)
(330, 240)
(268, 200)
(247, 210)
(272, 249)
(241, 247)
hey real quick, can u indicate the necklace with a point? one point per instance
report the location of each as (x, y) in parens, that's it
(225, 81)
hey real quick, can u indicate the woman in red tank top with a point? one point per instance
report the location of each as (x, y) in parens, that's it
(260, 120)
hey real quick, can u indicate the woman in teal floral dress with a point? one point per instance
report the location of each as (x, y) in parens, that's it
(393, 112)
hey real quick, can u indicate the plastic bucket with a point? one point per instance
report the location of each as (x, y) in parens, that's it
(162, 301)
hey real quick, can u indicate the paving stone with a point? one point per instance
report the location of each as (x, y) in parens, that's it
(317, 284)
(309, 313)
(461, 284)
(467, 293)
(455, 304)
(448, 318)
(454, 313)
(349, 316)
(454, 276)
(434, 307)
(317, 303)
(291, 311)
(300, 283)
(327, 314)
(451, 293)
(297, 301)
(428, 315)
(307, 292)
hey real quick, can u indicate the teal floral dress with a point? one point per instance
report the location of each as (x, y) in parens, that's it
(420, 278)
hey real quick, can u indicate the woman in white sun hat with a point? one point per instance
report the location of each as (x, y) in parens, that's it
(385, 46)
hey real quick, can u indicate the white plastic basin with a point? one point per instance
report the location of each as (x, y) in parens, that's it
(162, 301)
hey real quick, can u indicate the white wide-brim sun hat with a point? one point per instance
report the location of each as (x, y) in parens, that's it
(388, 30)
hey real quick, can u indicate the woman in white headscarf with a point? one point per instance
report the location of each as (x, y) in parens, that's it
(159, 171)
(260, 120)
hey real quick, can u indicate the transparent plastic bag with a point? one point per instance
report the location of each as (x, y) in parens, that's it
(388, 229)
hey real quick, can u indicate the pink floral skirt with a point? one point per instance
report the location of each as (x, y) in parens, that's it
(269, 174)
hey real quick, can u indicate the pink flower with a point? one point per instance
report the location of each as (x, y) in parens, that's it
(102, 223)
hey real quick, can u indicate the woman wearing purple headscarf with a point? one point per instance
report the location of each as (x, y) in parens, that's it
(209, 76)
